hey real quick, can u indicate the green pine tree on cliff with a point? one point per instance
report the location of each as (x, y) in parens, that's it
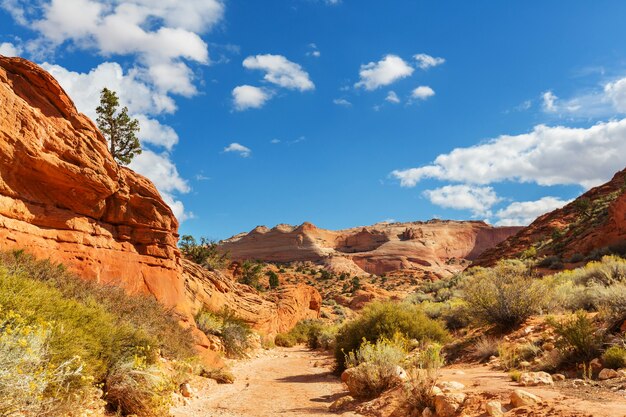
(118, 128)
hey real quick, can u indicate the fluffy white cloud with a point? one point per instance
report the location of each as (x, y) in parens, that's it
(235, 147)
(162, 171)
(425, 61)
(422, 92)
(384, 72)
(392, 97)
(153, 132)
(546, 156)
(162, 35)
(280, 71)
(8, 49)
(342, 102)
(525, 212)
(549, 101)
(464, 197)
(249, 97)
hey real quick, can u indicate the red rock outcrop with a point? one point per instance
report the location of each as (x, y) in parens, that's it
(435, 246)
(63, 197)
(595, 220)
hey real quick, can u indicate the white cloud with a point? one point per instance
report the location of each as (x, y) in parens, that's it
(161, 35)
(549, 101)
(280, 71)
(314, 52)
(275, 141)
(243, 151)
(384, 72)
(615, 92)
(9, 49)
(249, 97)
(163, 173)
(392, 97)
(464, 197)
(153, 132)
(524, 213)
(546, 156)
(425, 61)
(342, 102)
(422, 92)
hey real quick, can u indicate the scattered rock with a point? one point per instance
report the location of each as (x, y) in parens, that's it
(450, 386)
(186, 390)
(607, 373)
(558, 377)
(548, 346)
(524, 364)
(341, 403)
(596, 364)
(446, 405)
(520, 398)
(495, 409)
(427, 412)
(436, 391)
(531, 379)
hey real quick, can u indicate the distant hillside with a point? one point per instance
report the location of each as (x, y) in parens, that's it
(595, 221)
(440, 247)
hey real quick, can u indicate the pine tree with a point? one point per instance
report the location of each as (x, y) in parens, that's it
(118, 128)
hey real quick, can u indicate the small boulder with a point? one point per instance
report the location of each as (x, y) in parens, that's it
(524, 364)
(520, 398)
(558, 377)
(446, 405)
(428, 412)
(595, 364)
(495, 409)
(341, 403)
(450, 386)
(532, 379)
(548, 346)
(186, 390)
(607, 373)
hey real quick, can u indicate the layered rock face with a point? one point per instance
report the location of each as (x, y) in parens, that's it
(436, 246)
(63, 196)
(595, 220)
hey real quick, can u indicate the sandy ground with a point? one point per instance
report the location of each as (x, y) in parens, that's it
(282, 382)
(298, 382)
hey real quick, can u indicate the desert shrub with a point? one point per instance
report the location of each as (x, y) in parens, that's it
(565, 295)
(509, 357)
(206, 253)
(579, 337)
(515, 375)
(143, 313)
(285, 340)
(610, 270)
(383, 320)
(251, 273)
(221, 375)
(30, 382)
(422, 375)
(484, 348)
(551, 361)
(273, 279)
(376, 365)
(611, 301)
(528, 351)
(614, 357)
(234, 332)
(134, 387)
(577, 257)
(549, 262)
(503, 296)
(324, 338)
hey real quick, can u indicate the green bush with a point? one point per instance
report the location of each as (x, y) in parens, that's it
(579, 337)
(206, 253)
(235, 333)
(383, 320)
(375, 365)
(504, 295)
(484, 348)
(614, 357)
(285, 340)
(423, 373)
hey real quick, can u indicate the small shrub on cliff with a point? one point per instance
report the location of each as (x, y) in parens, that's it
(251, 273)
(206, 253)
(383, 320)
(234, 332)
(504, 295)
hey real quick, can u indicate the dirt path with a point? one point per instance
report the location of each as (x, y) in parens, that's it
(282, 382)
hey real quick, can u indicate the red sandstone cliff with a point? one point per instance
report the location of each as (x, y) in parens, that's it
(63, 197)
(595, 220)
(436, 246)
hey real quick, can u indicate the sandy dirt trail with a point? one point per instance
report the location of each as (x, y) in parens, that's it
(281, 382)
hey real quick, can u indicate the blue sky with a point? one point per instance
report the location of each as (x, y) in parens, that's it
(347, 113)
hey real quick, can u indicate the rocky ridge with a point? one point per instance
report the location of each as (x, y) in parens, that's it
(440, 247)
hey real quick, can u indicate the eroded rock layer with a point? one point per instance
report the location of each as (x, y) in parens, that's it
(441, 247)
